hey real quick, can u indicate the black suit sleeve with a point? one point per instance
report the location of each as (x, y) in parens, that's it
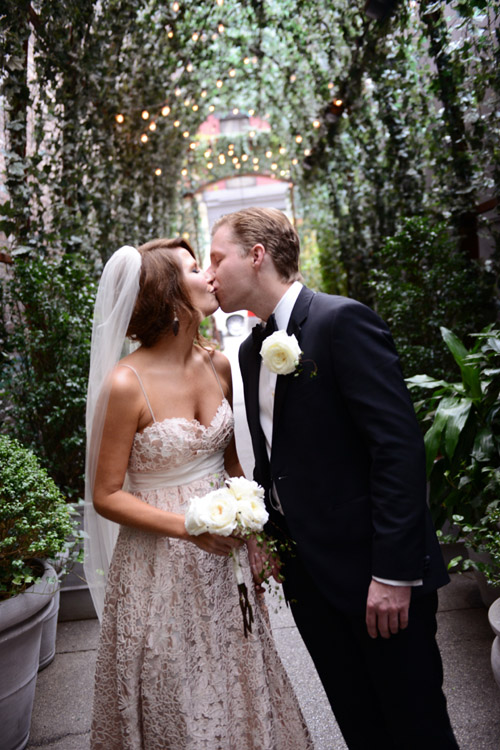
(368, 374)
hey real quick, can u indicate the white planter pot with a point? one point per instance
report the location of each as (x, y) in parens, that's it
(24, 619)
(494, 619)
(489, 593)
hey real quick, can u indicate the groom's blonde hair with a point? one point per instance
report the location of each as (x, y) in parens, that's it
(270, 228)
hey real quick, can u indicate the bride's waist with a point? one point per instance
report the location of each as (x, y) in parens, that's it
(198, 468)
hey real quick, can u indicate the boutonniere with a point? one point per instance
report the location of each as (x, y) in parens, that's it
(281, 353)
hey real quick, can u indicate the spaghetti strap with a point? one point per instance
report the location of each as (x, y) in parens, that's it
(215, 372)
(142, 387)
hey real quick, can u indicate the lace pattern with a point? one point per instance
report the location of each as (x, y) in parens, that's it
(174, 671)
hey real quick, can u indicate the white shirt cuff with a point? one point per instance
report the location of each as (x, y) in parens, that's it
(418, 582)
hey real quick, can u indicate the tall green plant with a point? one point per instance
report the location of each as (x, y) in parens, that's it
(43, 379)
(463, 439)
(423, 282)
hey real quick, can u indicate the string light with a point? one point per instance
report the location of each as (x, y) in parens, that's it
(295, 162)
(246, 60)
(119, 118)
(184, 172)
(145, 114)
(252, 134)
(230, 152)
(251, 112)
(293, 78)
(152, 126)
(231, 145)
(219, 84)
(211, 108)
(282, 173)
(316, 124)
(177, 91)
(235, 160)
(158, 172)
(256, 168)
(187, 102)
(189, 67)
(282, 150)
(244, 157)
(195, 36)
(220, 28)
(195, 108)
(238, 166)
(222, 159)
(298, 138)
(274, 165)
(165, 111)
(175, 7)
(193, 145)
(144, 138)
(236, 111)
(207, 153)
(170, 34)
(330, 85)
(338, 102)
(232, 73)
(203, 94)
(210, 165)
(220, 3)
(186, 134)
(307, 152)
(255, 159)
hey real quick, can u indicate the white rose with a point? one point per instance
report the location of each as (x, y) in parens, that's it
(219, 512)
(252, 514)
(281, 353)
(244, 488)
(193, 519)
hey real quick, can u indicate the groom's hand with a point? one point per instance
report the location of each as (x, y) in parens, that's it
(262, 563)
(387, 609)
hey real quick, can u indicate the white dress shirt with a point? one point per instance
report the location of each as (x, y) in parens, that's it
(267, 387)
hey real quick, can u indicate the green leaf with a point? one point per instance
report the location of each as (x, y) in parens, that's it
(432, 441)
(470, 374)
(456, 416)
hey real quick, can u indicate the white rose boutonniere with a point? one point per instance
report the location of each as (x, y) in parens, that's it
(281, 353)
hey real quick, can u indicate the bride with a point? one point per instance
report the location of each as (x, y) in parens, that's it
(174, 670)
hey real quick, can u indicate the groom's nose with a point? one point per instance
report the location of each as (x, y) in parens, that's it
(209, 273)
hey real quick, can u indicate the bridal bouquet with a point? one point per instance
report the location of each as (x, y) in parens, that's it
(236, 509)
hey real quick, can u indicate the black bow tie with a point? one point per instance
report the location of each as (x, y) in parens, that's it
(261, 331)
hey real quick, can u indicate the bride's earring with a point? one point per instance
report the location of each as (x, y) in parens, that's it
(175, 323)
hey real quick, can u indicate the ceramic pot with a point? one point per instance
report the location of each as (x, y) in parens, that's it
(23, 620)
(494, 619)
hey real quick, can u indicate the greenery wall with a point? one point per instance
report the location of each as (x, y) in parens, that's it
(376, 122)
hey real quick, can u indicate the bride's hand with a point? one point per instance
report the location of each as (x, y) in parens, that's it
(215, 544)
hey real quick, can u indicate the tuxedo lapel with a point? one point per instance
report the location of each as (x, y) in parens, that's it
(299, 314)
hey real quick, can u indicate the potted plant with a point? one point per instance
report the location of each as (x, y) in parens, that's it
(35, 526)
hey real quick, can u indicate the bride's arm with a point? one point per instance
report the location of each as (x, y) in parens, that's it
(123, 417)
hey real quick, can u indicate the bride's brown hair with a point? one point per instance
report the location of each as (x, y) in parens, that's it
(162, 292)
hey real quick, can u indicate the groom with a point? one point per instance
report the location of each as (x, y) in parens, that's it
(339, 451)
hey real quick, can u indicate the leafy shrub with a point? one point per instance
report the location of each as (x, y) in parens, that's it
(463, 440)
(35, 520)
(424, 282)
(43, 379)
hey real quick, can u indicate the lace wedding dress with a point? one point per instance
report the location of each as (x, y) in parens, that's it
(174, 670)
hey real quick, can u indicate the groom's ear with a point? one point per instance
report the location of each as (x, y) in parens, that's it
(257, 254)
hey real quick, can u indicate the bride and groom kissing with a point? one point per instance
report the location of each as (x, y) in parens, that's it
(340, 457)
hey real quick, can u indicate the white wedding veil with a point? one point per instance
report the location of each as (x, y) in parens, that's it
(115, 301)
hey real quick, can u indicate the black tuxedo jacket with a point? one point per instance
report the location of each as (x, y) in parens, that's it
(347, 458)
